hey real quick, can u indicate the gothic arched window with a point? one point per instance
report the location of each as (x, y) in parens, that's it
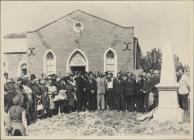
(50, 63)
(110, 61)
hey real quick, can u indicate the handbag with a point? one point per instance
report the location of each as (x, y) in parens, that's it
(61, 96)
(40, 107)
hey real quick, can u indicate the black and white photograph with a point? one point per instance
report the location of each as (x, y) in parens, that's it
(97, 69)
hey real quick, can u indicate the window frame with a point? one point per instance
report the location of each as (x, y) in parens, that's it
(114, 58)
(45, 63)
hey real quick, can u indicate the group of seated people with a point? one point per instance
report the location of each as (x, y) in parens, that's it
(56, 94)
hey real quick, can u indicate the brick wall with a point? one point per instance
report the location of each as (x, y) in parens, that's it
(13, 62)
(96, 37)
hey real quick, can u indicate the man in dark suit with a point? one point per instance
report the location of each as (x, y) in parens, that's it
(91, 92)
(118, 86)
(130, 84)
(139, 94)
(146, 90)
(80, 85)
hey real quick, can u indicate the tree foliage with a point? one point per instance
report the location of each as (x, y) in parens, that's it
(153, 60)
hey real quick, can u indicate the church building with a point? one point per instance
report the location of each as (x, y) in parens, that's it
(78, 41)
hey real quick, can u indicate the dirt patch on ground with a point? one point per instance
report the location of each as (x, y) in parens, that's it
(104, 123)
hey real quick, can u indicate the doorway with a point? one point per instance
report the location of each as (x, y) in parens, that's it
(78, 69)
(77, 61)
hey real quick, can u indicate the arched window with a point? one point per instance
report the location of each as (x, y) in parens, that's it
(50, 63)
(22, 68)
(110, 61)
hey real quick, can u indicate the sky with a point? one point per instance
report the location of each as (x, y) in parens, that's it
(155, 22)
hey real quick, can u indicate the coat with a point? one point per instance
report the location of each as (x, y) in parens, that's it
(147, 86)
(91, 85)
(130, 87)
(119, 87)
(101, 85)
(70, 95)
(80, 84)
(139, 87)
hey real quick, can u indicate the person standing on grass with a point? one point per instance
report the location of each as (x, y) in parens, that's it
(80, 85)
(110, 91)
(183, 90)
(28, 99)
(52, 91)
(119, 91)
(91, 89)
(101, 90)
(70, 94)
(36, 97)
(130, 84)
(44, 98)
(139, 94)
(146, 91)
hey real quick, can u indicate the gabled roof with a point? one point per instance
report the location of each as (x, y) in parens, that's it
(84, 13)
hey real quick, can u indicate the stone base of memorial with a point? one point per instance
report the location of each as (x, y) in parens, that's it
(168, 108)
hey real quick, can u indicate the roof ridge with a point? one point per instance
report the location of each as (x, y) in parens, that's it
(81, 12)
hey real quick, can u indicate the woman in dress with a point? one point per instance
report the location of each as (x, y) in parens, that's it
(52, 91)
(70, 87)
(16, 121)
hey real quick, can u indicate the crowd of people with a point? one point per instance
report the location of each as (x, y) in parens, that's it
(28, 99)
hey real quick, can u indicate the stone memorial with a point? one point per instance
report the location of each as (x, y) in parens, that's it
(168, 107)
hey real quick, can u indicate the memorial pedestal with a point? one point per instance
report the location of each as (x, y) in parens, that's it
(168, 108)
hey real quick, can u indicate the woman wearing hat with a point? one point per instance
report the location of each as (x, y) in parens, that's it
(17, 123)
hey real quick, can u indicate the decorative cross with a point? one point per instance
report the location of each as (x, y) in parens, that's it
(127, 46)
(31, 51)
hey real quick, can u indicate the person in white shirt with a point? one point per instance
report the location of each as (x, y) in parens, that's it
(183, 90)
(110, 91)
